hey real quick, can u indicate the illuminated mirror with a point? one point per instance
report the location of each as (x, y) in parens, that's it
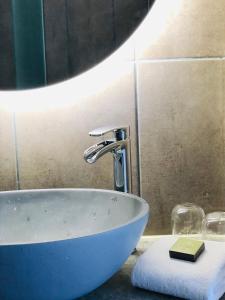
(47, 41)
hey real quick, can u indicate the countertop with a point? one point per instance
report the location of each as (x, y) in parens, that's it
(119, 286)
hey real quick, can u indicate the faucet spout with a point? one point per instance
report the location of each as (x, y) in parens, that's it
(93, 153)
(120, 148)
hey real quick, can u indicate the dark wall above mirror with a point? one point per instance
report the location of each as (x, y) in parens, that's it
(47, 41)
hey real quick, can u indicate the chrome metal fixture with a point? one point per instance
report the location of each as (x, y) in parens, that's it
(119, 146)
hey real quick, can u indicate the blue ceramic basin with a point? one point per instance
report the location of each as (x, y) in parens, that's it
(60, 244)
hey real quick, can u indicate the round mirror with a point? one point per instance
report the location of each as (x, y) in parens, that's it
(47, 41)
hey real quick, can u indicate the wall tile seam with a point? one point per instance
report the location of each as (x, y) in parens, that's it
(223, 126)
(15, 151)
(177, 59)
(136, 112)
(137, 121)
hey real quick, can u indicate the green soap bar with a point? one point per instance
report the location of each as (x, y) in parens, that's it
(187, 249)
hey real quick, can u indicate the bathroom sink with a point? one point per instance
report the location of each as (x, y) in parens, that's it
(60, 244)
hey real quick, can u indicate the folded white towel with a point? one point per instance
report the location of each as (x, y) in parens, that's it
(201, 280)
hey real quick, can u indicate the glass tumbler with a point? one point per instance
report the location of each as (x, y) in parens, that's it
(187, 219)
(214, 226)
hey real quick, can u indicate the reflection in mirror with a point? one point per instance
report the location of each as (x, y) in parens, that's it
(47, 41)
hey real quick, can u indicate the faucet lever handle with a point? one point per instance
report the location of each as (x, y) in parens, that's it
(106, 129)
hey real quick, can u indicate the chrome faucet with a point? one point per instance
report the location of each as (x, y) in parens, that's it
(119, 146)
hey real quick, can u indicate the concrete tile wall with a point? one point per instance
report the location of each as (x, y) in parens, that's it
(181, 136)
(180, 96)
(184, 29)
(8, 172)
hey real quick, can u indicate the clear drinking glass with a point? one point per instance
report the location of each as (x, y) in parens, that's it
(187, 219)
(214, 226)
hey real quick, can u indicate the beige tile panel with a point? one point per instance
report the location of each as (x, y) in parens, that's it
(51, 143)
(181, 117)
(7, 152)
(181, 28)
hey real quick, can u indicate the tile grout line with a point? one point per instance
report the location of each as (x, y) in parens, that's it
(16, 153)
(171, 59)
(223, 131)
(137, 127)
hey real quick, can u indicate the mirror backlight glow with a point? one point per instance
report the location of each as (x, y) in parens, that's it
(113, 68)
